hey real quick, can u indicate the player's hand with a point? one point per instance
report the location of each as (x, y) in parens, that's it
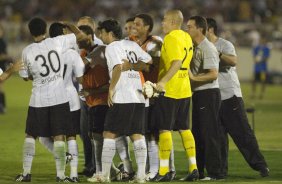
(84, 92)
(148, 89)
(110, 97)
(160, 86)
(18, 65)
(126, 65)
(191, 75)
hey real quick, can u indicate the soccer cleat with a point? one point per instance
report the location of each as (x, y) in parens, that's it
(150, 176)
(64, 180)
(75, 179)
(22, 178)
(264, 172)
(193, 176)
(160, 178)
(137, 180)
(172, 175)
(97, 178)
(125, 176)
(68, 157)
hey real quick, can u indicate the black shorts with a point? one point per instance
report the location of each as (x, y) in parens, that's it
(126, 119)
(260, 76)
(96, 118)
(172, 114)
(150, 120)
(73, 127)
(48, 121)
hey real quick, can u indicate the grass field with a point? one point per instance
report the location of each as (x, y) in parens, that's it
(268, 129)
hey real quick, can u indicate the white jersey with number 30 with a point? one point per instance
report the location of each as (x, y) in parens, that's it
(44, 64)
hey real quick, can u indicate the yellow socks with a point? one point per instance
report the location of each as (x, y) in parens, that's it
(165, 145)
(189, 145)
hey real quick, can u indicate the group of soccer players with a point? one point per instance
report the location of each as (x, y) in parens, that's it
(120, 103)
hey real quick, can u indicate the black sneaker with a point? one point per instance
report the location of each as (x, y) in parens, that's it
(75, 179)
(193, 176)
(121, 167)
(68, 157)
(172, 175)
(264, 172)
(22, 178)
(160, 178)
(64, 180)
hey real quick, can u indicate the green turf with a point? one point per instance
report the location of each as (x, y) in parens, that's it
(268, 128)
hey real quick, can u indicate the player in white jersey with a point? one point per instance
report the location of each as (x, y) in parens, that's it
(73, 66)
(48, 111)
(143, 25)
(125, 97)
(89, 163)
(232, 115)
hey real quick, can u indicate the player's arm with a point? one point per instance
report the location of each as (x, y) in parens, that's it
(115, 78)
(139, 66)
(227, 59)
(210, 75)
(95, 91)
(12, 68)
(175, 66)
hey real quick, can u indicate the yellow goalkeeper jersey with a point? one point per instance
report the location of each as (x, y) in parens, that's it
(177, 46)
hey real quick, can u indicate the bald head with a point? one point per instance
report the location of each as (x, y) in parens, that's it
(172, 21)
(176, 16)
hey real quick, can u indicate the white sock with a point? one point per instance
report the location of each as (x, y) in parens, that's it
(153, 154)
(108, 153)
(171, 160)
(123, 151)
(60, 158)
(28, 154)
(140, 151)
(73, 150)
(48, 143)
(98, 147)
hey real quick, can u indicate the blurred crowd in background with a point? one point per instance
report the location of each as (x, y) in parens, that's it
(241, 21)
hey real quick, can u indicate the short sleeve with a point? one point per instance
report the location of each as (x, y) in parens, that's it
(67, 41)
(78, 68)
(211, 58)
(114, 56)
(173, 48)
(229, 49)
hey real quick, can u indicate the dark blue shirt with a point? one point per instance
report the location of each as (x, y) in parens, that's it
(262, 52)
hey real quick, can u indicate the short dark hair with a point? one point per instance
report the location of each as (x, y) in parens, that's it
(147, 19)
(200, 22)
(37, 26)
(87, 30)
(56, 29)
(212, 24)
(111, 25)
(130, 19)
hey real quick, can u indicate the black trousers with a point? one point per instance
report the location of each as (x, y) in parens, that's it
(233, 121)
(205, 128)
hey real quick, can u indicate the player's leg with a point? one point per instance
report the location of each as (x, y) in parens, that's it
(72, 144)
(165, 110)
(136, 132)
(263, 83)
(60, 117)
(243, 136)
(48, 143)
(89, 167)
(123, 151)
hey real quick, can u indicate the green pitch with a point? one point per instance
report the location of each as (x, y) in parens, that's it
(268, 129)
